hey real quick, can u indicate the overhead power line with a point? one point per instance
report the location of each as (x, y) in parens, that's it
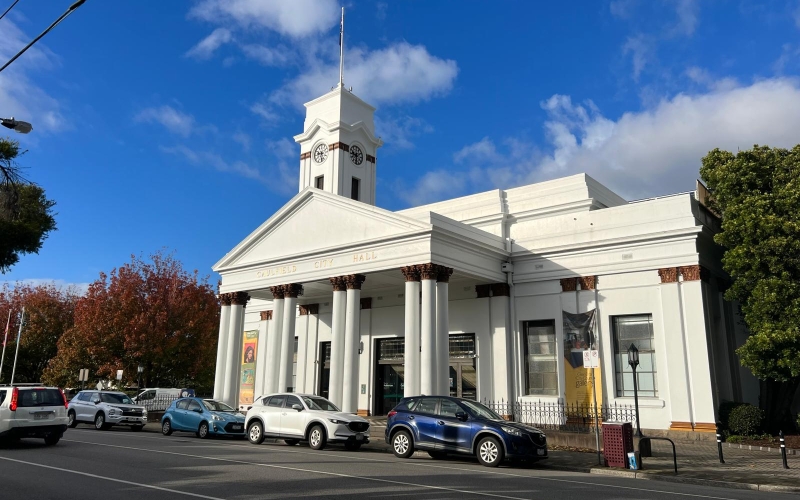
(12, 6)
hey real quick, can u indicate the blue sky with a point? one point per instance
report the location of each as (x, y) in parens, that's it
(169, 124)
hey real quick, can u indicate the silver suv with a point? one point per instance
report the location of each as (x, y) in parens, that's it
(32, 411)
(105, 409)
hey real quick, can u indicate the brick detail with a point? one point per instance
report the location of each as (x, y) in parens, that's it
(569, 284)
(500, 290)
(305, 156)
(483, 291)
(307, 309)
(668, 274)
(339, 145)
(588, 282)
(363, 413)
(266, 315)
(366, 303)
(371, 159)
(693, 273)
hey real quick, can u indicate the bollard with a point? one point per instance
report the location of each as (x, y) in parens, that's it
(783, 451)
(719, 443)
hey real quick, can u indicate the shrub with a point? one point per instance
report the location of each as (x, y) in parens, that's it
(746, 420)
(725, 409)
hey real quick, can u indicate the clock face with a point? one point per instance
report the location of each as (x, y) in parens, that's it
(356, 156)
(321, 153)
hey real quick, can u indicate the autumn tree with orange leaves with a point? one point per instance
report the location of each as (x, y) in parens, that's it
(151, 313)
(48, 314)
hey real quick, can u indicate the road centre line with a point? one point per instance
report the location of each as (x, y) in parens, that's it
(95, 476)
(311, 471)
(482, 470)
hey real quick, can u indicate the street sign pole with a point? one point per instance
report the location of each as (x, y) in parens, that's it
(591, 360)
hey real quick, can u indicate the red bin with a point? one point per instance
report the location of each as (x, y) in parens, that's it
(617, 443)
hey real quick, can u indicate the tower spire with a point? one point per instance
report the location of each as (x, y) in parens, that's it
(341, 51)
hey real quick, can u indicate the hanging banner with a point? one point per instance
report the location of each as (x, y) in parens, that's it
(579, 337)
(248, 382)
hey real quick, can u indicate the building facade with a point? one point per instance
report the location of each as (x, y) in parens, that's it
(335, 296)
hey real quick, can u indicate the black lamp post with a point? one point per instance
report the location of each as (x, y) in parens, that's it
(16, 125)
(633, 360)
(140, 369)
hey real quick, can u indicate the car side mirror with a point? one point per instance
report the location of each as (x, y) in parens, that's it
(97, 402)
(461, 416)
(297, 407)
(198, 410)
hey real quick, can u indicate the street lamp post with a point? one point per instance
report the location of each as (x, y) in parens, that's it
(16, 125)
(633, 361)
(139, 370)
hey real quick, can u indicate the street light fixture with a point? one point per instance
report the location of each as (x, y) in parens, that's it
(16, 125)
(633, 361)
(139, 370)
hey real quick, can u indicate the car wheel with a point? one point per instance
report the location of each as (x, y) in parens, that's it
(352, 446)
(71, 422)
(52, 439)
(291, 442)
(100, 422)
(316, 438)
(490, 452)
(137, 428)
(202, 431)
(255, 433)
(402, 445)
(166, 427)
(437, 455)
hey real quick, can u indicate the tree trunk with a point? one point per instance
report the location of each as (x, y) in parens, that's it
(776, 400)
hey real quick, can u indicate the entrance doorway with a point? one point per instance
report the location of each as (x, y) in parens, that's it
(324, 363)
(390, 370)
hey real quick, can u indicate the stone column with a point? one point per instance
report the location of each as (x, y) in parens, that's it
(261, 355)
(428, 383)
(307, 318)
(443, 330)
(411, 331)
(337, 340)
(273, 361)
(222, 345)
(680, 401)
(351, 341)
(499, 324)
(290, 293)
(233, 356)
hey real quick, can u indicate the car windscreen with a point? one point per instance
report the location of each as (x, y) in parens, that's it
(216, 406)
(319, 404)
(40, 397)
(478, 410)
(116, 399)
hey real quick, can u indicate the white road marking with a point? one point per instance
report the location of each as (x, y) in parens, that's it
(481, 470)
(111, 479)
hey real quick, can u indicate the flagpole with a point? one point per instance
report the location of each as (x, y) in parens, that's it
(5, 340)
(19, 333)
(341, 51)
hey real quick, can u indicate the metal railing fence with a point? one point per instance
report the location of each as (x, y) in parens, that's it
(560, 416)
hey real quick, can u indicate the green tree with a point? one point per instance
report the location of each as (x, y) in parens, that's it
(757, 193)
(26, 215)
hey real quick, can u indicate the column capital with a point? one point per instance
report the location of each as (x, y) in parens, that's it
(308, 309)
(444, 274)
(500, 290)
(266, 315)
(411, 273)
(366, 303)
(338, 283)
(569, 284)
(354, 281)
(588, 282)
(428, 271)
(693, 273)
(239, 298)
(225, 298)
(668, 274)
(483, 291)
(277, 292)
(292, 290)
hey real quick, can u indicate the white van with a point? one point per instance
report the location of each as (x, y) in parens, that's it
(157, 398)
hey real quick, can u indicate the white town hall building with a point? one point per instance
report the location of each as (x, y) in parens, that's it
(335, 296)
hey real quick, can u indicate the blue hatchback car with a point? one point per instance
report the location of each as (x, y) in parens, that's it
(204, 417)
(442, 425)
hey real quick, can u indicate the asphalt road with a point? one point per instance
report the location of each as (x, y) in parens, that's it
(119, 464)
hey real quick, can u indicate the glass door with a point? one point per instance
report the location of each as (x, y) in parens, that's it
(324, 364)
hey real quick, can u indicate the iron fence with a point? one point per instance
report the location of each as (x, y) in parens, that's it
(158, 403)
(570, 417)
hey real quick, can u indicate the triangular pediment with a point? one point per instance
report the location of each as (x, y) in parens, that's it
(317, 221)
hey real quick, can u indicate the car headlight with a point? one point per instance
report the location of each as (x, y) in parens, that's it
(512, 431)
(216, 417)
(144, 413)
(337, 421)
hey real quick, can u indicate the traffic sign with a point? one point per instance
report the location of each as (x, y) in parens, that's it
(591, 358)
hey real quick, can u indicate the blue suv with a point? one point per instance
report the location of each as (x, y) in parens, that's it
(442, 425)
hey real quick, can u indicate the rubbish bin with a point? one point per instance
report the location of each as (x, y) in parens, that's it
(617, 443)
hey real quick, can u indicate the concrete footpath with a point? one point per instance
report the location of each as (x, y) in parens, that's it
(698, 463)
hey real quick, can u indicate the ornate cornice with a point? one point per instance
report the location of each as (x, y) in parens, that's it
(694, 273)
(305, 156)
(428, 271)
(569, 284)
(371, 159)
(307, 309)
(411, 273)
(588, 282)
(500, 290)
(354, 281)
(339, 145)
(292, 290)
(266, 315)
(668, 274)
(240, 298)
(366, 303)
(483, 291)
(277, 292)
(338, 283)
(444, 274)
(225, 298)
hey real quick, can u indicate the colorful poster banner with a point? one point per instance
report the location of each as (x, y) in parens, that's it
(248, 382)
(579, 336)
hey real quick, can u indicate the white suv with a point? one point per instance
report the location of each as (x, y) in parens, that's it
(32, 411)
(105, 409)
(304, 417)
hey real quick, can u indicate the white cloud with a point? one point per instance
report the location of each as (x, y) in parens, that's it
(688, 13)
(208, 45)
(622, 8)
(796, 15)
(173, 120)
(215, 161)
(243, 139)
(397, 132)
(646, 153)
(19, 95)
(641, 49)
(790, 56)
(265, 112)
(268, 56)
(78, 288)
(295, 18)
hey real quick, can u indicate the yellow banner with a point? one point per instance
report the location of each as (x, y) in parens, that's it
(579, 337)
(248, 373)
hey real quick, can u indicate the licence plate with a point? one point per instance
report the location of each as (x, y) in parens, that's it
(40, 416)
(540, 452)
(236, 427)
(360, 436)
